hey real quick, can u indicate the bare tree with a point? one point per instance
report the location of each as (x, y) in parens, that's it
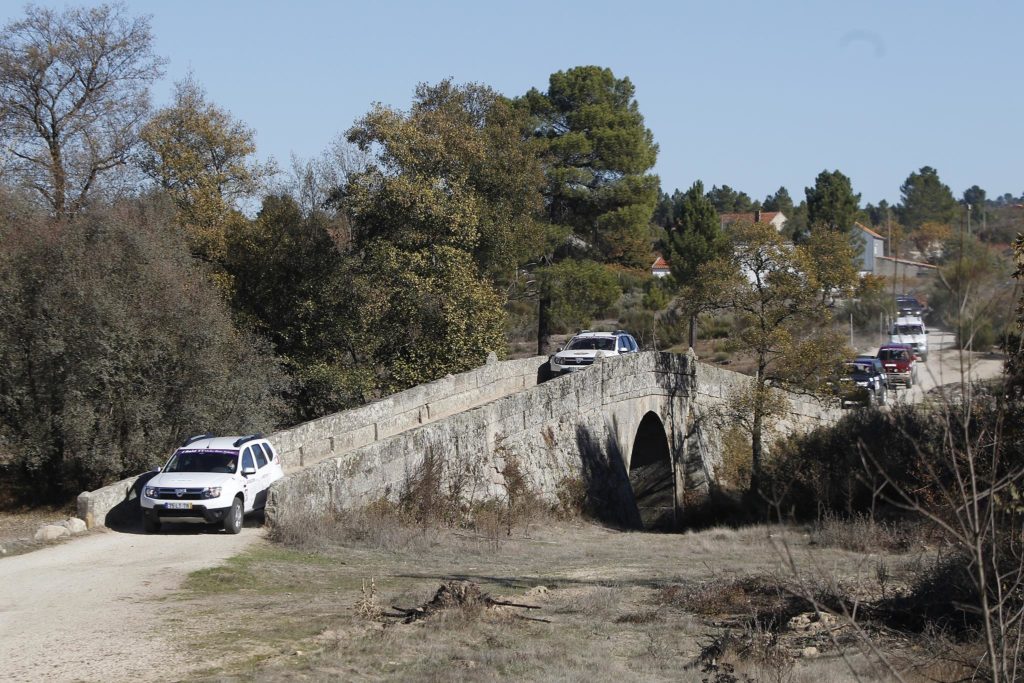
(73, 94)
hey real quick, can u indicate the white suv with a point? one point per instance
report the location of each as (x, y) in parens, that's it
(586, 347)
(211, 479)
(911, 330)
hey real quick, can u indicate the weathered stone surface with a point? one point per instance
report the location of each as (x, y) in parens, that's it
(581, 426)
(51, 532)
(75, 525)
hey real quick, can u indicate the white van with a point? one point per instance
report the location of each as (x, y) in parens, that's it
(911, 330)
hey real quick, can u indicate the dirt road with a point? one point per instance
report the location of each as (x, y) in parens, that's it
(946, 365)
(91, 609)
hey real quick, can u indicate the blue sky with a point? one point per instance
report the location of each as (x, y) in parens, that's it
(750, 94)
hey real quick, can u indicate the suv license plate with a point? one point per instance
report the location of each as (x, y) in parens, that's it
(179, 506)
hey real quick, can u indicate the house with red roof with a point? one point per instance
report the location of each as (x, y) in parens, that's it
(660, 267)
(776, 218)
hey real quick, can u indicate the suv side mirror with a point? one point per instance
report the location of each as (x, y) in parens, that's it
(246, 471)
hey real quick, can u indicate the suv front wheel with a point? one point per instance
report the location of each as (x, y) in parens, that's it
(233, 520)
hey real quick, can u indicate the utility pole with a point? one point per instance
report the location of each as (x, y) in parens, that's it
(968, 219)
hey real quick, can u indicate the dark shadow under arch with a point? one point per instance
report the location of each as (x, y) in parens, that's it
(651, 476)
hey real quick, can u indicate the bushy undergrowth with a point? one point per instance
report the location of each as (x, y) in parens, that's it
(904, 455)
(113, 346)
(953, 468)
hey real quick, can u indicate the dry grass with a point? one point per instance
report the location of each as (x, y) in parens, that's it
(622, 605)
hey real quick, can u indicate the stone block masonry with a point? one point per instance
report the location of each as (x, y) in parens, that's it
(581, 427)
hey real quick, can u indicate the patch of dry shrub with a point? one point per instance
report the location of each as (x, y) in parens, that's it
(861, 533)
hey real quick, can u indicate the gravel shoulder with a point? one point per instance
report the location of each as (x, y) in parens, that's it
(91, 609)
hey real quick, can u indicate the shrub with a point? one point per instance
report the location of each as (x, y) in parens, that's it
(113, 347)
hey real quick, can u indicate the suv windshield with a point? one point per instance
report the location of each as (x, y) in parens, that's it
(203, 461)
(909, 329)
(857, 369)
(893, 354)
(591, 344)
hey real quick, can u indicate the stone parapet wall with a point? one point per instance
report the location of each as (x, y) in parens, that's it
(579, 427)
(556, 432)
(333, 435)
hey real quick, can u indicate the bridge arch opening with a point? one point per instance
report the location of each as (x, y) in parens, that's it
(651, 476)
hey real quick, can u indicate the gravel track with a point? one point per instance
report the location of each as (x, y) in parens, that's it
(91, 609)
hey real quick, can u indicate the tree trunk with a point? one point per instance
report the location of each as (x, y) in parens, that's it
(543, 324)
(693, 330)
(756, 446)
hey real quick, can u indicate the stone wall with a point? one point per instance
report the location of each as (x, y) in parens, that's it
(336, 434)
(710, 417)
(309, 443)
(574, 431)
(571, 431)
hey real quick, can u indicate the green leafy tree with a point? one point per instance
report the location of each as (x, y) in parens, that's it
(114, 347)
(292, 285)
(925, 198)
(203, 158)
(780, 201)
(774, 292)
(880, 215)
(971, 295)
(976, 203)
(694, 238)
(73, 94)
(599, 196)
(448, 202)
(831, 203)
(727, 200)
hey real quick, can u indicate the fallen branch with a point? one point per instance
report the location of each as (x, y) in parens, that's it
(459, 594)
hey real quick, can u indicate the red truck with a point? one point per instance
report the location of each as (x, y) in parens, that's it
(898, 361)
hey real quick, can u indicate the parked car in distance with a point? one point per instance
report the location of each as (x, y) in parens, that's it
(586, 347)
(898, 360)
(911, 330)
(860, 384)
(878, 369)
(216, 480)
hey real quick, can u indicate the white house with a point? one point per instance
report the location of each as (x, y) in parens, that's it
(873, 246)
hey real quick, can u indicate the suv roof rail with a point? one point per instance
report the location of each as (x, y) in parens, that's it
(244, 439)
(197, 437)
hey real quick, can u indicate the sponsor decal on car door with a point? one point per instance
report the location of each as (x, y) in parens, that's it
(251, 487)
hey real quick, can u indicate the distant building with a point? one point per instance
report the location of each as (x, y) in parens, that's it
(904, 270)
(660, 267)
(873, 247)
(776, 218)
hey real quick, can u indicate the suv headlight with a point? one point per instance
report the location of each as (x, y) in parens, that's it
(211, 492)
(150, 491)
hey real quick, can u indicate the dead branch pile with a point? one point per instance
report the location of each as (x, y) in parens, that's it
(457, 595)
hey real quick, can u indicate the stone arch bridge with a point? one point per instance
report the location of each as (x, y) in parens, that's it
(638, 435)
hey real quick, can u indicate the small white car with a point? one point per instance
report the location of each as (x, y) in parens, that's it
(586, 347)
(911, 330)
(216, 480)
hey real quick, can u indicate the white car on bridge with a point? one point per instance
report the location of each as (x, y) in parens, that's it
(216, 480)
(586, 347)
